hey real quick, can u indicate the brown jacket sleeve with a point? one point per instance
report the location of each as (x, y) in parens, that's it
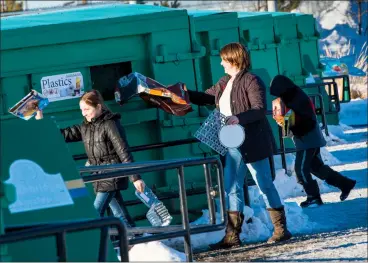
(256, 91)
(221, 84)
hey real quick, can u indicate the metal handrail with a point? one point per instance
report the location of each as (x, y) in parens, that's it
(345, 80)
(125, 170)
(322, 113)
(59, 230)
(282, 151)
(329, 84)
(146, 147)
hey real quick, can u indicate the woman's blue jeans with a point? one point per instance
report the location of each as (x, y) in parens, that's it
(235, 171)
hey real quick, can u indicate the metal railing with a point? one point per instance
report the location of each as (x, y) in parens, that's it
(59, 230)
(345, 88)
(282, 151)
(147, 147)
(334, 99)
(184, 230)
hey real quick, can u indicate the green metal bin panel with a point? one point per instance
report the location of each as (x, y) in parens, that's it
(101, 31)
(49, 189)
(309, 49)
(104, 21)
(173, 57)
(257, 30)
(256, 33)
(288, 53)
(212, 30)
(12, 89)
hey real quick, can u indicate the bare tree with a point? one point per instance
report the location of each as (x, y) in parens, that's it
(362, 10)
(259, 5)
(282, 5)
(174, 4)
(287, 5)
(11, 6)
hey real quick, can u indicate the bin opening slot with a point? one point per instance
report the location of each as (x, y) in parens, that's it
(105, 77)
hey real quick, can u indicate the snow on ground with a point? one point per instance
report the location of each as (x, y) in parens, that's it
(335, 231)
(356, 113)
(346, 245)
(155, 251)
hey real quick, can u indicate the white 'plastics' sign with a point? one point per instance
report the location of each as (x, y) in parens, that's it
(62, 86)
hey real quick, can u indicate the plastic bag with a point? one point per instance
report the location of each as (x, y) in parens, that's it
(173, 99)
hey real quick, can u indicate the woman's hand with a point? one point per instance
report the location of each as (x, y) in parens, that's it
(232, 120)
(39, 115)
(139, 185)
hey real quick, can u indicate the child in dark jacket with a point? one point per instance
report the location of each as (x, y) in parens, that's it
(308, 140)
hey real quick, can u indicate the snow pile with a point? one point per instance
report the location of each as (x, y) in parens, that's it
(155, 251)
(337, 134)
(336, 23)
(328, 13)
(261, 228)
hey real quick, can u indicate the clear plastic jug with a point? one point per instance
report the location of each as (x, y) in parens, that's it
(157, 215)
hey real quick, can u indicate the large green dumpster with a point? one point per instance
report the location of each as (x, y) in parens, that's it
(48, 189)
(108, 42)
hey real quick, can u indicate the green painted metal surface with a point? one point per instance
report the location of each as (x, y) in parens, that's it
(256, 32)
(48, 189)
(309, 50)
(288, 52)
(212, 30)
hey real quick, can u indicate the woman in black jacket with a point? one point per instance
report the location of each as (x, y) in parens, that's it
(105, 143)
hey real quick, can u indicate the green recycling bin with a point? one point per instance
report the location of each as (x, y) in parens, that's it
(43, 186)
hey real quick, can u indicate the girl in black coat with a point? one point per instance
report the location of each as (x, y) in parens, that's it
(105, 143)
